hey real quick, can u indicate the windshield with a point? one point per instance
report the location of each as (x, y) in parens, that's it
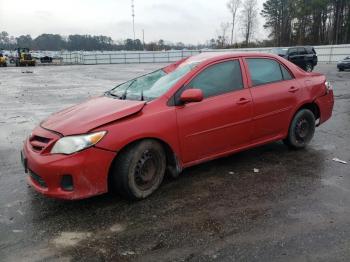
(150, 86)
(280, 51)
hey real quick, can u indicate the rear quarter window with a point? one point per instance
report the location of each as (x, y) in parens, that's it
(286, 74)
(310, 50)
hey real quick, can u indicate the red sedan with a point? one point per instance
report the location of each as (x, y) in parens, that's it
(201, 108)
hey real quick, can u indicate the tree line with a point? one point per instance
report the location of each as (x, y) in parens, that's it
(56, 42)
(290, 22)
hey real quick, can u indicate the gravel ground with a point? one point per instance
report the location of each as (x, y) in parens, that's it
(297, 208)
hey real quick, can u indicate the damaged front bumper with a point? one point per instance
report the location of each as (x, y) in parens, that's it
(77, 176)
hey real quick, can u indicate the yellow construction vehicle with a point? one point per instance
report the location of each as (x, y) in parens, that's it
(3, 60)
(24, 58)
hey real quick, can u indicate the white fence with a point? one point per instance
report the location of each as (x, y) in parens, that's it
(326, 54)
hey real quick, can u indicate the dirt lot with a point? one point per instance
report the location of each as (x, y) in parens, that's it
(297, 208)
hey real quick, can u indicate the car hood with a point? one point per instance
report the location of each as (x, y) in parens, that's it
(95, 112)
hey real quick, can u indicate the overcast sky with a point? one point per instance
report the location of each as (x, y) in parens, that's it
(189, 21)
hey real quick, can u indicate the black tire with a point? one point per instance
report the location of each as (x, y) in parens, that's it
(341, 69)
(139, 170)
(301, 130)
(308, 67)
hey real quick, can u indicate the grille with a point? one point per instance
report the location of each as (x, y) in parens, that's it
(38, 143)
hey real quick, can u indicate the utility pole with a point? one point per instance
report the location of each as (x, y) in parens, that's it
(133, 18)
(143, 38)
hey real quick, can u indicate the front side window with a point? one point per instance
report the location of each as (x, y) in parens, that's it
(219, 79)
(264, 71)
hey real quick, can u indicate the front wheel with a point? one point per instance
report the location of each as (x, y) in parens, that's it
(301, 130)
(139, 170)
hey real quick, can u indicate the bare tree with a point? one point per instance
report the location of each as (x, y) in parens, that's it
(233, 6)
(222, 34)
(249, 19)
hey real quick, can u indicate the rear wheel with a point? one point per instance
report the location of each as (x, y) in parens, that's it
(301, 130)
(309, 67)
(139, 170)
(341, 69)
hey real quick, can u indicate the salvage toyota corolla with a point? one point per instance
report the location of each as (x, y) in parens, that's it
(201, 108)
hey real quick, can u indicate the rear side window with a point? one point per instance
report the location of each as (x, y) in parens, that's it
(302, 51)
(219, 79)
(264, 71)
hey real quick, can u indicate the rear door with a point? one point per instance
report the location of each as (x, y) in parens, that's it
(275, 93)
(222, 121)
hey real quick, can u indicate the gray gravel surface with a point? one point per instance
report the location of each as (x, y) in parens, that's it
(297, 208)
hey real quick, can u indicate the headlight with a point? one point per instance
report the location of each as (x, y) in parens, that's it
(71, 144)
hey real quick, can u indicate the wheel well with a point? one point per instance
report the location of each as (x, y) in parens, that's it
(313, 107)
(172, 162)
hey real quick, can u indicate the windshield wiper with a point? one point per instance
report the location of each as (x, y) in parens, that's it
(126, 91)
(112, 94)
(142, 98)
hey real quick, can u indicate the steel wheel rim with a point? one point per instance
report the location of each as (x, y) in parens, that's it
(308, 68)
(302, 130)
(146, 171)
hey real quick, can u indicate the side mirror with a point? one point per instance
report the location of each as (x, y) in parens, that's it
(191, 95)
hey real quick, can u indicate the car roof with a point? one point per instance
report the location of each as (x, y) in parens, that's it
(206, 56)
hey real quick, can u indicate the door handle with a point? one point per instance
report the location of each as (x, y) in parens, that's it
(293, 89)
(243, 101)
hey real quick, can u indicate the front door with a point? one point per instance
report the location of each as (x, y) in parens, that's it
(222, 121)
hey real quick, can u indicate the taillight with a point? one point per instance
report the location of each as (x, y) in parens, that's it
(328, 87)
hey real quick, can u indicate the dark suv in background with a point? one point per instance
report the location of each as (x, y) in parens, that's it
(303, 56)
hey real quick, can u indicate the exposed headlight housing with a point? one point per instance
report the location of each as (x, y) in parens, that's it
(71, 144)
